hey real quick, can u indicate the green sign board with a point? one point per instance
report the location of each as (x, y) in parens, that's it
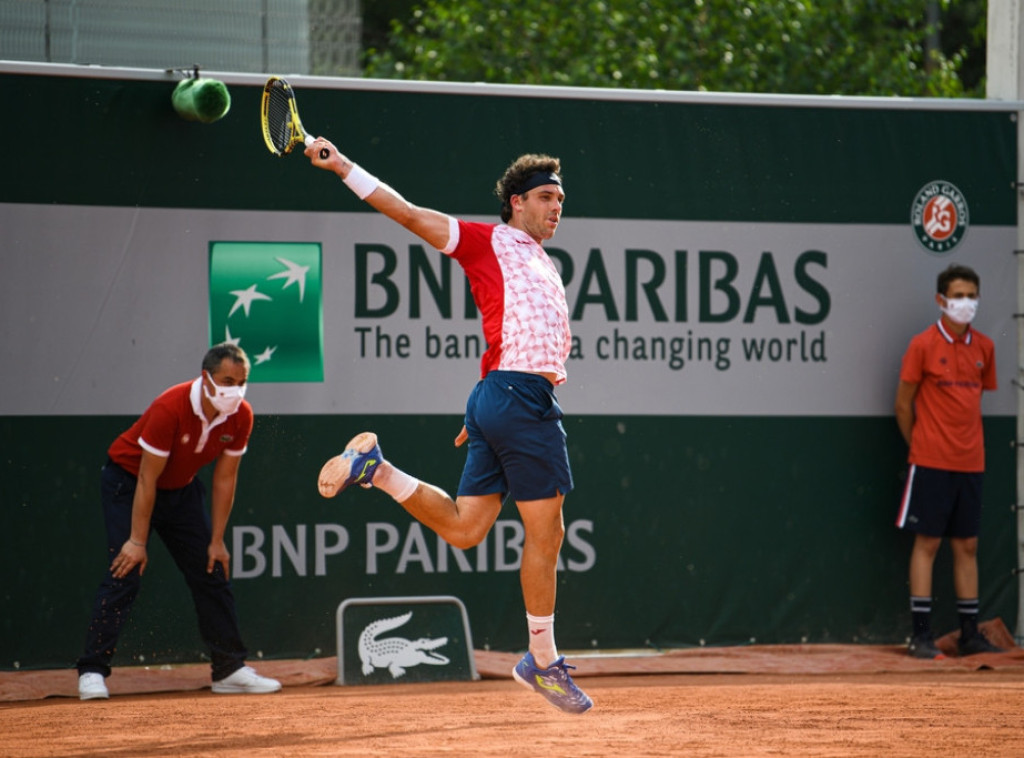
(404, 639)
(266, 298)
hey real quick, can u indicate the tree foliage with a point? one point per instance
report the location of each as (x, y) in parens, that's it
(824, 47)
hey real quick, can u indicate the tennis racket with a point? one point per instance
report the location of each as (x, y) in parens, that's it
(279, 117)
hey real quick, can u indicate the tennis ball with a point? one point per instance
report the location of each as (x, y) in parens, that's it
(204, 100)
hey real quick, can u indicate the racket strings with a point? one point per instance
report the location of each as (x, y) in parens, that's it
(279, 123)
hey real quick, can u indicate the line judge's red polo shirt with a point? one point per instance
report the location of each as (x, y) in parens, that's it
(175, 428)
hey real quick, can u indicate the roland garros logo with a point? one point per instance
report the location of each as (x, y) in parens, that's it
(939, 216)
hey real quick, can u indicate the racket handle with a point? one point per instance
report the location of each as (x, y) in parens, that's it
(324, 152)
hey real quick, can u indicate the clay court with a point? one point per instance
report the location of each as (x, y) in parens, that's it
(790, 700)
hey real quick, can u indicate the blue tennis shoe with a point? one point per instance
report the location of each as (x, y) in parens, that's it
(356, 465)
(554, 683)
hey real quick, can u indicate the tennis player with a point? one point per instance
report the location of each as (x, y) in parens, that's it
(513, 421)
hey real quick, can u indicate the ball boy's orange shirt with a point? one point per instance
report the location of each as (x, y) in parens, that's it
(951, 373)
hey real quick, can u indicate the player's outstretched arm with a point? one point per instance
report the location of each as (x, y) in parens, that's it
(429, 225)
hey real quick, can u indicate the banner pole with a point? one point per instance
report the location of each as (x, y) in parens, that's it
(1005, 81)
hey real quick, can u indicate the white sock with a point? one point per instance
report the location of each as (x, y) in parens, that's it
(395, 482)
(542, 639)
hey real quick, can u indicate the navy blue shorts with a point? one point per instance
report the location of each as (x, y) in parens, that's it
(939, 503)
(516, 439)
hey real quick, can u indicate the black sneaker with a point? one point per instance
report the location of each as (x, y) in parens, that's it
(977, 644)
(923, 646)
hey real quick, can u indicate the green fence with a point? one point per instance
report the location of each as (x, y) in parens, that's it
(743, 491)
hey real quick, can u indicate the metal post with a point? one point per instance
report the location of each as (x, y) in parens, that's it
(1005, 81)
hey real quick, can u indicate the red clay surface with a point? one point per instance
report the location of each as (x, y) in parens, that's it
(787, 700)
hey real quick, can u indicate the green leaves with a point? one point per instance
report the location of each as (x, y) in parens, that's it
(848, 47)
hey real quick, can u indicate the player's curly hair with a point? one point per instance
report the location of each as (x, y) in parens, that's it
(516, 174)
(216, 355)
(956, 271)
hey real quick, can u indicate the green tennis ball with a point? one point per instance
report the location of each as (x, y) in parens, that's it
(204, 100)
(212, 100)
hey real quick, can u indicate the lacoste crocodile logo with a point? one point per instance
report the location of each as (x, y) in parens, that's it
(396, 654)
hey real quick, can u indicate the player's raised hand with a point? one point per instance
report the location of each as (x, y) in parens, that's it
(323, 154)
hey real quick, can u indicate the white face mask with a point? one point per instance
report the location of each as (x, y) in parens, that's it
(961, 310)
(226, 399)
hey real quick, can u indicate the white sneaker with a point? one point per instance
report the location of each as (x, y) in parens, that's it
(92, 687)
(245, 681)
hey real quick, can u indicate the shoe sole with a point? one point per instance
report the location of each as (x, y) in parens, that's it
(921, 655)
(338, 468)
(243, 691)
(95, 696)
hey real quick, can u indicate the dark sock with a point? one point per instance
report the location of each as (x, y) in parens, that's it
(921, 615)
(968, 610)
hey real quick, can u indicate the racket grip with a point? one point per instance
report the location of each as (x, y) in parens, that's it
(324, 152)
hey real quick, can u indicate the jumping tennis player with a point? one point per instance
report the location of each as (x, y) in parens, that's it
(513, 421)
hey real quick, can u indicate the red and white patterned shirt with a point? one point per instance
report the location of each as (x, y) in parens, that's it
(520, 296)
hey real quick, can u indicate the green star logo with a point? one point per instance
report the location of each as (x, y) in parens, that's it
(265, 297)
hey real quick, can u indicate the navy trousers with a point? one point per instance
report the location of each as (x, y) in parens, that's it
(181, 520)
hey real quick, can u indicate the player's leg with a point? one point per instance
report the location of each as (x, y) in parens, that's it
(517, 443)
(544, 530)
(542, 669)
(523, 426)
(114, 597)
(462, 523)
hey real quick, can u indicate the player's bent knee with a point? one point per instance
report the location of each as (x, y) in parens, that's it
(466, 540)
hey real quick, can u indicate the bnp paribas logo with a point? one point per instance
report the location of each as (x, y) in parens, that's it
(939, 216)
(266, 298)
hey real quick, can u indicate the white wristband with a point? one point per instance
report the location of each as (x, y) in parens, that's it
(361, 182)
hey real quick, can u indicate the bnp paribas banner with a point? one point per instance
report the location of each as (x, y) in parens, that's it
(668, 317)
(721, 255)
